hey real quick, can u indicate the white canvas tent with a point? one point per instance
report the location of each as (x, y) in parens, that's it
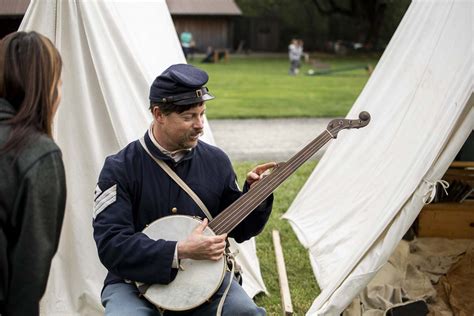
(112, 51)
(368, 188)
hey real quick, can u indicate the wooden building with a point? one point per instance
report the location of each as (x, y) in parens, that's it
(211, 22)
(11, 14)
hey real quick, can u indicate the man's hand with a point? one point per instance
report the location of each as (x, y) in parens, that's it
(201, 247)
(259, 172)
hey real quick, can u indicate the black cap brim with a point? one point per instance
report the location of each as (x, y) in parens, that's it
(203, 98)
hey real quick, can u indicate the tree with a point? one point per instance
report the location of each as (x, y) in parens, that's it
(370, 13)
(318, 22)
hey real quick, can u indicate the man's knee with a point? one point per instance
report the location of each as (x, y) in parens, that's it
(123, 299)
(239, 303)
(246, 310)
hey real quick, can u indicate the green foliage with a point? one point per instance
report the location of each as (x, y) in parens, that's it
(303, 286)
(295, 18)
(394, 13)
(258, 87)
(302, 19)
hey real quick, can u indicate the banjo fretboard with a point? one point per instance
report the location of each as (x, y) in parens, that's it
(228, 219)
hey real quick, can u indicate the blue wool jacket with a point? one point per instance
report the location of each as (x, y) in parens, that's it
(133, 191)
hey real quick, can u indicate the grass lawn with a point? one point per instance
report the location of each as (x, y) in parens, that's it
(260, 87)
(303, 286)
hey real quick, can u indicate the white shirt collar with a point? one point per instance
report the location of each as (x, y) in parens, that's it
(176, 155)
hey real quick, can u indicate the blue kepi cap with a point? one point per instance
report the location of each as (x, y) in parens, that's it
(180, 84)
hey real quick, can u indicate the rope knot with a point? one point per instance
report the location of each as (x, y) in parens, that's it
(432, 189)
(232, 255)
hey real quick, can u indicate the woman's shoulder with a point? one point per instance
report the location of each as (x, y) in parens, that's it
(39, 147)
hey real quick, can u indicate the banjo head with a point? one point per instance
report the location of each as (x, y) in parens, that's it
(197, 281)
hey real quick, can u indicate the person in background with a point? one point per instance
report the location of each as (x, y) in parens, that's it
(187, 43)
(295, 51)
(32, 186)
(192, 49)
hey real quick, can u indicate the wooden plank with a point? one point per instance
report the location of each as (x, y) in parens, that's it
(448, 206)
(462, 164)
(464, 178)
(449, 220)
(282, 276)
(459, 171)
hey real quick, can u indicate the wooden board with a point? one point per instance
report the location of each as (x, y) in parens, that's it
(282, 276)
(462, 164)
(450, 220)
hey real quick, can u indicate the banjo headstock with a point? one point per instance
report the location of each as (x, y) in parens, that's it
(337, 125)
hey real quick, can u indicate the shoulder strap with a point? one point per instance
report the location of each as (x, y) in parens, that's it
(203, 207)
(178, 180)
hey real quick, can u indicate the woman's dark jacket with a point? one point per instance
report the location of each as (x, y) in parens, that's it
(32, 201)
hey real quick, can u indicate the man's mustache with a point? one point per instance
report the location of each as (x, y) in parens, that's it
(198, 133)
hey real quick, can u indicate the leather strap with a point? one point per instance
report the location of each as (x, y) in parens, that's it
(183, 96)
(177, 179)
(203, 207)
(226, 291)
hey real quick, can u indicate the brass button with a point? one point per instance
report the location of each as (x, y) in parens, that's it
(174, 210)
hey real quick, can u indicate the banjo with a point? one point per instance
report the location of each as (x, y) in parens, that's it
(197, 280)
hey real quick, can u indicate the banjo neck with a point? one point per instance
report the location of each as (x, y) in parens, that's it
(234, 214)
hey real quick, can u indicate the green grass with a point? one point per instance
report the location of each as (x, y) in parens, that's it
(258, 87)
(303, 286)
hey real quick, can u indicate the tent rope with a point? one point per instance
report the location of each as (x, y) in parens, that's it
(432, 189)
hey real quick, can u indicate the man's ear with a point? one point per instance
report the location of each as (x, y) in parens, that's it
(157, 114)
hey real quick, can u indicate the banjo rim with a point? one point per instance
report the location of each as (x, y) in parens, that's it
(211, 293)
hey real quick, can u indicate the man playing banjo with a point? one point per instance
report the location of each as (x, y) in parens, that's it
(134, 190)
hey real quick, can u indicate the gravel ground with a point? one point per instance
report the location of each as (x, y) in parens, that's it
(266, 139)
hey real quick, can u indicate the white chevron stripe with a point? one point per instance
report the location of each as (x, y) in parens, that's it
(105, 199)
(97, 192)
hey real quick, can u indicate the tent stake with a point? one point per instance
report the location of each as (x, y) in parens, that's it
(282, 277)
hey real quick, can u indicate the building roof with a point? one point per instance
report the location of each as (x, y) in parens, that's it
(176, 7)
(203, 7)
(15, 7)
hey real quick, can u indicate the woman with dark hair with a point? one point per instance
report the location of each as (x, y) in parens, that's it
(32, 181)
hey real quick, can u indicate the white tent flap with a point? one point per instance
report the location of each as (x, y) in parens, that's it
(368, 188)
(112, 50)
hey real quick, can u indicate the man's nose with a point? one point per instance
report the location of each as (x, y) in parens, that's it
(199, 123)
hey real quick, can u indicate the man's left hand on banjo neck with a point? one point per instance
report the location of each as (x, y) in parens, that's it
(202, 247)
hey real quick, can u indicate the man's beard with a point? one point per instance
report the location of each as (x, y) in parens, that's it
(190, 139)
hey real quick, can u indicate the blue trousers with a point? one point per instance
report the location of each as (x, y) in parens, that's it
(122, 299)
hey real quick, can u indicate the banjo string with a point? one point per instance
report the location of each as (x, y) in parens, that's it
(249, 201)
